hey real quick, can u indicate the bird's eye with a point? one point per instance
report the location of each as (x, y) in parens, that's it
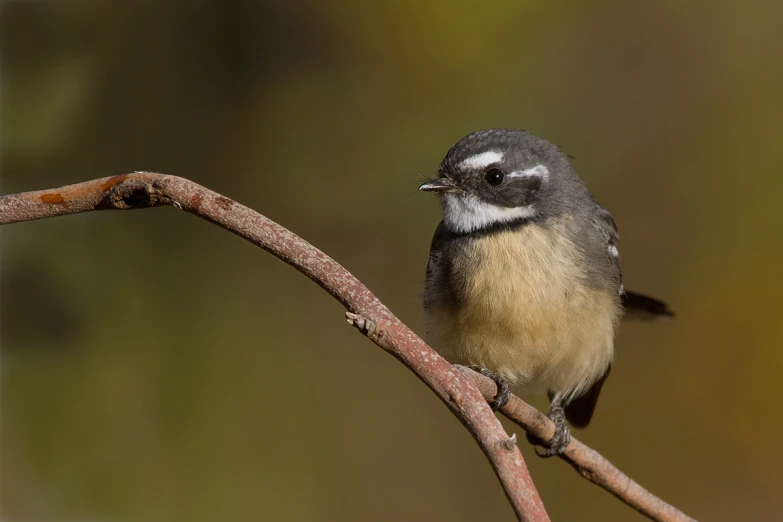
(494, 177)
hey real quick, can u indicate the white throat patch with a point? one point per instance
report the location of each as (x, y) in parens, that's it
(464, 213)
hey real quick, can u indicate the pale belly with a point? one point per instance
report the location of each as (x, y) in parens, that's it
(542, 329)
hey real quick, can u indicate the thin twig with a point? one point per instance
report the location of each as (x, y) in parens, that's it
(145, 189)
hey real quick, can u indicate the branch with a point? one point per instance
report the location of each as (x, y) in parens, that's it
(465, 392)
(586, 461)
(463, 398)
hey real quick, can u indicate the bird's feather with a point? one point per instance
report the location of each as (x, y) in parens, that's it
(579, 411)
(638, 306)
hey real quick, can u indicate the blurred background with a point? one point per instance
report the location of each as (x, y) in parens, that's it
(157, 368)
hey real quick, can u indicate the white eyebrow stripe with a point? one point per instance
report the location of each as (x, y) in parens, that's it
(539, 171)
(479, 161)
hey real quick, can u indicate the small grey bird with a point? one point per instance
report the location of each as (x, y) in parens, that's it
(524, 280)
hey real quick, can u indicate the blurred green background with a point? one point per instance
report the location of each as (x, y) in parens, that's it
(157, 368)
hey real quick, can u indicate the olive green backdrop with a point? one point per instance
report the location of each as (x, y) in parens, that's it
(157, 368)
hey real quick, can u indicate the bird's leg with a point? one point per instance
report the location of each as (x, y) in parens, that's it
(503, 394)
(559, 441)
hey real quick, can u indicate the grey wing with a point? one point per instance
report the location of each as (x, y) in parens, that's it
(637, 306)
(607, 228)
(434, 275)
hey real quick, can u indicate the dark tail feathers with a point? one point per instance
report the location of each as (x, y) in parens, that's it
(638, 306)
(579, 411)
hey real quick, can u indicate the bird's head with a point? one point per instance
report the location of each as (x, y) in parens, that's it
(500, 176)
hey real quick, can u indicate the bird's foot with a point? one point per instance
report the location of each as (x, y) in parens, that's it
(559, 441)
(503, 394)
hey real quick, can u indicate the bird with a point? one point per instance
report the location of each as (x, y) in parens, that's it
(523, 280)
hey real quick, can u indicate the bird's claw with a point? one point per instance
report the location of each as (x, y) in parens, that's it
(559, 442)
(503, 393)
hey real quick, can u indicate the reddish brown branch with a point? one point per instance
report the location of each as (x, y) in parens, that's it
(464, 392)
(144, 189)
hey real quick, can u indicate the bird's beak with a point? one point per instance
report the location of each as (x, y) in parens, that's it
(438, 185)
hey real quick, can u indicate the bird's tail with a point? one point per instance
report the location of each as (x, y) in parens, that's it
(638, 306)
